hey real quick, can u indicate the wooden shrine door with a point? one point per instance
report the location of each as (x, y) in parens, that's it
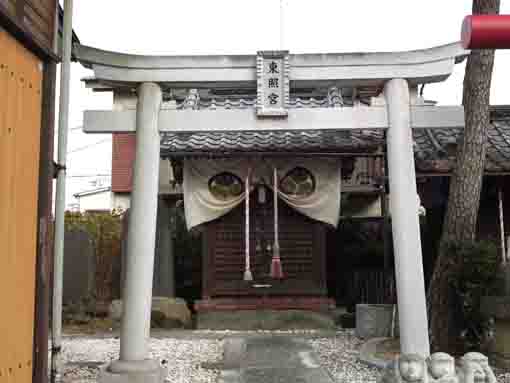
(20, 132)
(302, 252)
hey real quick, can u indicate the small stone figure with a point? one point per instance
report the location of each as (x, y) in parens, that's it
(408, 368)
(442, 368)
(475, 369)
(412, 368)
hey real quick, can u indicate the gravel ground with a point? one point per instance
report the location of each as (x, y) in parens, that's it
(340, 356)
(187, 360)
(502, 376)
(196, 358)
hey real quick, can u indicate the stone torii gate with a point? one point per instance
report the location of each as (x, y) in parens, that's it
(398, 109)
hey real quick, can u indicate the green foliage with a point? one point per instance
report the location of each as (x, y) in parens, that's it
(475, 275)
(102, 227)
(104, 230)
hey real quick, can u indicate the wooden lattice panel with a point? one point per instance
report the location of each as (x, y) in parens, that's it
(20, 130)
(301, 251)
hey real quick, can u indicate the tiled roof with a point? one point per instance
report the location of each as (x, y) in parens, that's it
(434, 148)
(242, 142)
(245, 103)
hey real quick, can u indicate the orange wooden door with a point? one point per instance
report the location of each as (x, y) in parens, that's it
(20, 131)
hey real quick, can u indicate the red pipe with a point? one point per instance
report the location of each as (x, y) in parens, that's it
(486, 32)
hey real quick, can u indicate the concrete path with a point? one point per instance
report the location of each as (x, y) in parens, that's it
(268, 359)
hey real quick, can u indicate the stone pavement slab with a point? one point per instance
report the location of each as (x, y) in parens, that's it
(269, 359)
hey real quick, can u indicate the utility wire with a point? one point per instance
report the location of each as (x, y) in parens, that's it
(89, 175)
(89, 146)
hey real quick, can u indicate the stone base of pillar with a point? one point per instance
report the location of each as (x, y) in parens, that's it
(147, 371)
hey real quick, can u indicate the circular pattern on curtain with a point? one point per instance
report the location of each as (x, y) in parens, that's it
(298, 183)
(226, 186)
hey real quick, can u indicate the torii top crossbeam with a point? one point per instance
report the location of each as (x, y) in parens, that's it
(237, 71)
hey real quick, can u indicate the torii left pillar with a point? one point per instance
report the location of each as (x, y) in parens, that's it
(134, 365)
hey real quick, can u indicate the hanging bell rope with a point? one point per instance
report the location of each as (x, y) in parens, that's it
(276, 265)
(247, 272)
(504, 254)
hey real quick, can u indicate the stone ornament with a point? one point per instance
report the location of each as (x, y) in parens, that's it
(440, 367)
(475, 369)
(192, 100)
(335, 99)
(406, 368)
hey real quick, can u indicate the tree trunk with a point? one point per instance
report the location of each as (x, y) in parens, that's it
(465, 187)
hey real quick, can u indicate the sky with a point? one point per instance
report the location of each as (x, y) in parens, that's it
(168, 27)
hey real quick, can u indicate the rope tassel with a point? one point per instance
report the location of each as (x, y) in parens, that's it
(247, 272)
(276, 265)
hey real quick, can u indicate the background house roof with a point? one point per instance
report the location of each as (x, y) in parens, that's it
(92, 192)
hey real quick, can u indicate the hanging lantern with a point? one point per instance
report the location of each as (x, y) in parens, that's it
(261, 190)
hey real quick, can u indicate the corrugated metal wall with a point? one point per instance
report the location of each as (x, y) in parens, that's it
(20, 129)
(123, 158)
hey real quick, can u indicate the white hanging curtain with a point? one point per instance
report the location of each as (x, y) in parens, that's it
(201, 205)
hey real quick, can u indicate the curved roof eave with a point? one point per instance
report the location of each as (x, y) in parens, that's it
(419, 66)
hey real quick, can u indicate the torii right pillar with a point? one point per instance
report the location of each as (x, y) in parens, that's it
(412, 307)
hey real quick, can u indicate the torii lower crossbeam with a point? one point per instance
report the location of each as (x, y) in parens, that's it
(192, 121)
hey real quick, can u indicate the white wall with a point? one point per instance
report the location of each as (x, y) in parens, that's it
(121, 201)
(98, 201)
(105, 201)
